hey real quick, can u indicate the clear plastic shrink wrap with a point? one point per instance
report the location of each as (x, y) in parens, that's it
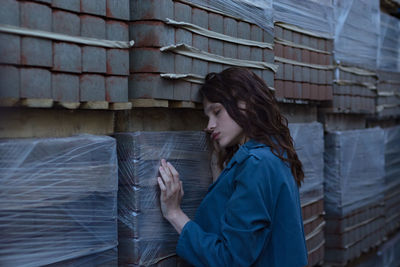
(389, 43)
(354, 170)
(145, 237)
(356, 32)
(392, 178)
(309, 144)
(58, 201)
(315, 16)
(255, 11)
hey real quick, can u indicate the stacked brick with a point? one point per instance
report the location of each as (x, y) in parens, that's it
(392, 181)
(150, 58)
(58, 70)
(355, 50)
(58, 201)
(388, 95)
(311, 191)
(354, 91)
(145, 237)
(304, 62)
(354, 193)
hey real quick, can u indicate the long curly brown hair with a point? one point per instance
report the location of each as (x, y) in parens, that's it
(261, 119)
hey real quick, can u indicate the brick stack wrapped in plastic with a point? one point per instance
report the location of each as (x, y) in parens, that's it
(309, 144)
(303, 50)
(145, 237)
(388, 95)
(354, 193)
(392, 179)
(356, 36)
(58, 201)
(72, 54)
(179, 42)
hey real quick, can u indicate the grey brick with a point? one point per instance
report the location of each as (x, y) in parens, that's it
(44, 1)
(322, 76)
(268, 77)
(256, 33)
(183, 64)
(67, 57)
(287, 35)
(268, 55)
(72, 5)
(94, 59)
(35, 83)
(35, 16)
(200, 18)
(182, 90)
(268, 37)
(148, 85)
(314, 42)
(256, 54)
(117, 30)
(182, 12)
(296, 38)
(314, 75)
(117, 89)
(9, 12)
(321, 44)
(118, 9)
(118, 61)
(151, 60)
(183, 36)
(195, 95)
(151, 34)
(97, 7)
(280, 71)
(288, 71)
(9, 82)
(230, 28)
(306, 74)
(10, 48)
(243, 33)
(216, 24)
(305, 40)
(297, 73)
(278, 31)
(36, 52)
(329, 76)
(93, 27)
(92, 88)
(151, 9)
(65, 87)
(66, 23)
(214, 67)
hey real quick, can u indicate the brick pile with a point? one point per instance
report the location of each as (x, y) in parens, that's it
(311, 191)
(150, 32)
(304, 61)
(354, 193)
(392, 182)
(145, 237)
(58, 201)
(65, 72)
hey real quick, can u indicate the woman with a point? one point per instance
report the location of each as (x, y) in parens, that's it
(251, 215)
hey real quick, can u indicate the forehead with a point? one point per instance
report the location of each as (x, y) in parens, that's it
(208, 106)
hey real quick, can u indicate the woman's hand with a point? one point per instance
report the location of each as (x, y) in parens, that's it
(171, 196)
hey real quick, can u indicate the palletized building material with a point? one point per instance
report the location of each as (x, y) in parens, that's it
(392, 179)
(58, 201)
(388, 95)
(354, 193)
(65, 53)
(303, 50)
(179, 42)
(309, 144)
(356, 37)
(145, 237)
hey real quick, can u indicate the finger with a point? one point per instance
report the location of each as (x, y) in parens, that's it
(165, 177)
(161, 184)
(174, 172)
(166, 168)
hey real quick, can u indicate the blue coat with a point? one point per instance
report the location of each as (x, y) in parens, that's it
(251, 216)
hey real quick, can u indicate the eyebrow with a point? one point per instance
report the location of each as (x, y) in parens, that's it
(210, 107)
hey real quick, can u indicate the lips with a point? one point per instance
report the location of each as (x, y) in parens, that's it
(215, 135)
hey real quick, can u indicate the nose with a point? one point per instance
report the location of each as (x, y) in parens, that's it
(210, 126)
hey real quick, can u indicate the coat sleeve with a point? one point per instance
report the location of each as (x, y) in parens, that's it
(245, 226)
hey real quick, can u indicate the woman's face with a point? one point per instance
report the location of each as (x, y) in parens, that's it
(222, 127)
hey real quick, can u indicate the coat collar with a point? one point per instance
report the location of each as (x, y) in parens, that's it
(244, 152)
